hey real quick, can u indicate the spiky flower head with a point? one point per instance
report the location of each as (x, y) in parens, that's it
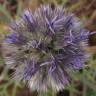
(44, 45)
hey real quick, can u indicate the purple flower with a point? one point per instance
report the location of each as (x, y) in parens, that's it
(11, 38)
(45, 45)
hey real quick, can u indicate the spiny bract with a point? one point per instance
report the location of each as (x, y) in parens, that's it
(43, 46)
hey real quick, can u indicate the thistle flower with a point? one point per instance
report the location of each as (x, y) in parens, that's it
(43, 46)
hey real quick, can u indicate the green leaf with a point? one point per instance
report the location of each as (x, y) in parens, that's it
(1, 61)
(90, 92)
(6, 13)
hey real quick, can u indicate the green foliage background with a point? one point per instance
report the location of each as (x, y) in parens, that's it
(86, 78)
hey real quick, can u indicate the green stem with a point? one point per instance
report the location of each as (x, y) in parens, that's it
(6, 13)
(48, 93)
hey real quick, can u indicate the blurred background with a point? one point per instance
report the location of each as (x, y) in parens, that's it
(83, 82)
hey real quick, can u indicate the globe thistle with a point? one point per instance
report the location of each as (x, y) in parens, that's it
(43, 46)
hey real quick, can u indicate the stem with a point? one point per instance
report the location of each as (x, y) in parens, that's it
(47, 93)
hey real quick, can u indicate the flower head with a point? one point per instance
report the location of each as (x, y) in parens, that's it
(44, 45)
